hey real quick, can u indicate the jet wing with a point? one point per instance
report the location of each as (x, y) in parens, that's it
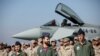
(62, 32)
(68, 13)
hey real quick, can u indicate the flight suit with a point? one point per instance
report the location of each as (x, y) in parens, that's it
(49, 52)
(20, 53)
(83, 50)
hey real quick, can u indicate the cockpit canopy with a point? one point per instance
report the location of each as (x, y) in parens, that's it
(52, 23)
(68, 13)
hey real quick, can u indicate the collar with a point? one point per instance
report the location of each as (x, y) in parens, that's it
(84, 43)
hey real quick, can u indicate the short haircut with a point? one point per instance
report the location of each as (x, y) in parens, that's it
(75, 34)
(8, 47)
(43, 37)
(13, 46)
(18, 43)
(54, 41)
(81, 32)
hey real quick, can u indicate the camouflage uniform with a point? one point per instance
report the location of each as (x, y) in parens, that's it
(67, 51)
(97, 50)
(31, 51)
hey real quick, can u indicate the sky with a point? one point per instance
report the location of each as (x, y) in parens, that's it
(19, 15)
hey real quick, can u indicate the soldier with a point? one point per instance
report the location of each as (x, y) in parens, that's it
(96, 46)
(40, 41)
(45, 50)
(75, 35)
(32, 50)
(83, 47)
(60, 47)
(61, 43)
(67, 49)
(2, 51)
(12, 50)
(24, 47)
(64, 23)
(18, 51)
(54, 46)
(8, 49)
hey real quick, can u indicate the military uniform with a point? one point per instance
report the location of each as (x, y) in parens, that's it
(83, 50)
(59, 50)
(3, 53)
(97, 50)
(31, 51)
(67, 51)
(48, 52)
(11, 53)
(20, 53)
(55, 50)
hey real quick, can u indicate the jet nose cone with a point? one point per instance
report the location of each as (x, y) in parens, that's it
(29, 34)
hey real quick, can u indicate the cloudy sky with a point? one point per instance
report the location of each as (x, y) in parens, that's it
(20, 15)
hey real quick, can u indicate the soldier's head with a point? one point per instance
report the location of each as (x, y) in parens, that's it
(61, 42)
(17, 46)
(1, 46)
(40, 40)
(46, 40)
(13, 48)
(53, 42)
(65, 20)
(66, 41)
(8, 49)
(81, 35)
(75, 35)
(33, 43)
(95, 41)
(75, 39)
(99, 40)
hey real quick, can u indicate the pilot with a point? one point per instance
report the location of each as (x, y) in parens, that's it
(53, 23)
(83, 47)
(64, 23)
(45, 50)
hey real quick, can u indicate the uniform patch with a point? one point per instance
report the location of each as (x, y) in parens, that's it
(78, 48)
(40, 50)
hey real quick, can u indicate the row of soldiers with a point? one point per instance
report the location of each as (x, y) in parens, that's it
(44, 47)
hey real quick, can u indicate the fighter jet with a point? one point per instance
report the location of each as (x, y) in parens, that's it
(57, 31)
